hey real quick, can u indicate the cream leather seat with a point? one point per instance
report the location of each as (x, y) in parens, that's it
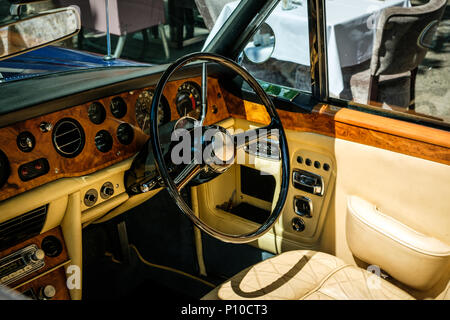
(303, 274)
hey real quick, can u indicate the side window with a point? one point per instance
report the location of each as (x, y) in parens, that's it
(278, 53)
(390, 54)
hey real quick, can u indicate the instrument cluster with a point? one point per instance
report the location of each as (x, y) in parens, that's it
(187, 101)
(69, 142)
(82, 139)
(103, 138)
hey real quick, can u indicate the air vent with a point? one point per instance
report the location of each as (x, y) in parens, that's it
(68, 137)
(22, 227)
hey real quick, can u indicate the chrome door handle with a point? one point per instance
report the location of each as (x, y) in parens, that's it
(308, 182)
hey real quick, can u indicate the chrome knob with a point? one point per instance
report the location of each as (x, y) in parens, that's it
(38, 255)
(47, 292)
(45, 126)
(107, 190)
(26, 142)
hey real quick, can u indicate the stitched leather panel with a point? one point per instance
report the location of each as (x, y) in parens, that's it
(352, 283)
(305, 274)
(289, 275)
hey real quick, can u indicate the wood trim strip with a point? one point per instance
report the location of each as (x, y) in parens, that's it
(392, 126)
(42, 274)
(356, 126)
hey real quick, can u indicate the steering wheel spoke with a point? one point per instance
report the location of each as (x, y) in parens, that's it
(187, 174)
(251, 136)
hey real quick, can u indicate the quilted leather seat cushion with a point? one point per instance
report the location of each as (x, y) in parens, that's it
(305, 274)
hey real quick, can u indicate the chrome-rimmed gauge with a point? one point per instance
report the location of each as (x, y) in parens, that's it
(96, 113)
(118, 107)
(143, 106)
(189, 100)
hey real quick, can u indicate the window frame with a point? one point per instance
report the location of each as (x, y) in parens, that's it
(247, 18)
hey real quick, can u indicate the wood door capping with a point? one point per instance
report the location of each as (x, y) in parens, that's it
(356, 126)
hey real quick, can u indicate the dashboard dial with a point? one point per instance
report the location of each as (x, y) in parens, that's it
(125, 133)
(189, 100)
(96, 113)
(143, 105)
(25, 141)
(103, 141)
(118, 107)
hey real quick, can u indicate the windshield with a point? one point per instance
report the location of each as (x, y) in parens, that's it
(149, 32)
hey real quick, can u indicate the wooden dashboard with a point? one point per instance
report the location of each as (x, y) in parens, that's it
(90, 159)
(395, 135)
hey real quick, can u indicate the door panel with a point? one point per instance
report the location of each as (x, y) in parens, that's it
(410, 190)
(402, 168)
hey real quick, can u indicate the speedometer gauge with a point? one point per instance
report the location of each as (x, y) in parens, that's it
(143, 106)
(189, 100)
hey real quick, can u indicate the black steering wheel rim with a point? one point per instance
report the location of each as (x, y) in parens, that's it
(164, 172)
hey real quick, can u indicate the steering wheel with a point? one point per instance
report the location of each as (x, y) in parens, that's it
(214, 161)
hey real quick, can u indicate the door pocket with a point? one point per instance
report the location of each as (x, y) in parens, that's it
(411, 257)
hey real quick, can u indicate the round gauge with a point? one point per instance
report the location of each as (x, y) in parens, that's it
(96, 113)
(189, 100)
(143, 105)
(25, 141)
(4, 168)
(118, 107)
(103, 141)
(125, 133)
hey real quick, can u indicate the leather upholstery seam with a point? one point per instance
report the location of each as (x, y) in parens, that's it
(319, 286)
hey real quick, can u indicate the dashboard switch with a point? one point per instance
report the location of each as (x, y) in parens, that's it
(33, 169)
(107, 190)
(298, 224)
(25, 141)
(90, 197)
(47, 292)
(303, 206)
(45, 126)
(38, 255)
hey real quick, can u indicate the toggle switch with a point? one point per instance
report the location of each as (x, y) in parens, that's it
(298, 224)
(303, 206)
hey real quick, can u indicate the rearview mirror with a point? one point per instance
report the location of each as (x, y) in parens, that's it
(38, 31)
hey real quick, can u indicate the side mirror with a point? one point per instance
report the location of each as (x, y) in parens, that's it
(31, 33)
(261, 48)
